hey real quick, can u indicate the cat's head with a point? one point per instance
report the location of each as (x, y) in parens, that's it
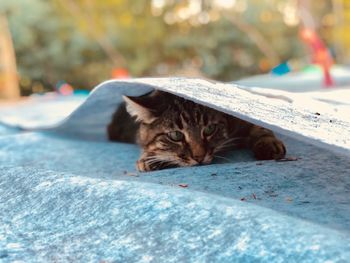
(177, 132)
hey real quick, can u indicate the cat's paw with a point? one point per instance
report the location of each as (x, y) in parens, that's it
(142, 166)
(268, 148)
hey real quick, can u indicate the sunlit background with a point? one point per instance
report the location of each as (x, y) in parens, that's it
(61, 45)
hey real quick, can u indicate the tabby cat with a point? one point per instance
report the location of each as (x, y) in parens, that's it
(175, 132)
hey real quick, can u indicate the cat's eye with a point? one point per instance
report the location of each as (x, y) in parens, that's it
(176, 136)
(209, 130)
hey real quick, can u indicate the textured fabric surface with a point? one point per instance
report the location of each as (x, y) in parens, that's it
(310, 120)
(65, 198)
(39, 111)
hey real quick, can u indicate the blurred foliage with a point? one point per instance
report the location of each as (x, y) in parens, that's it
(82, 41)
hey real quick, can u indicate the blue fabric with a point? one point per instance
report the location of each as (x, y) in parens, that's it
(65, 198)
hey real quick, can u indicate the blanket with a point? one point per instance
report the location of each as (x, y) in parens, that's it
(67, 194)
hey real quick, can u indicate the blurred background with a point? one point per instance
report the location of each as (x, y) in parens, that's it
(67, 45)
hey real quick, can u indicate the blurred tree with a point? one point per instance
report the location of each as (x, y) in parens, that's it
(230, 38)
(126, 31)
(48, 49)
(83, 41)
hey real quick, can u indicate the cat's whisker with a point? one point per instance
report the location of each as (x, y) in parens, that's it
(222, 157)
(224, 147)
(231, 140)
(160, 157)
(225, 144)
(236, 138)
(150, 162)
(150, 159)
(228, 144)
(221, 150)
(158, 160)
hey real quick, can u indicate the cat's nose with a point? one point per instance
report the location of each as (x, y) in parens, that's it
(199, 158)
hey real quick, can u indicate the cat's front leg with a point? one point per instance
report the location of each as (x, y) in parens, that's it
(265, 145)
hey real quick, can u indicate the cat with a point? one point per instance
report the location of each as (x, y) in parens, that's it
(176, 132)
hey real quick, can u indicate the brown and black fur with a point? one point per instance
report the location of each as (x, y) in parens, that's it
(151, 120)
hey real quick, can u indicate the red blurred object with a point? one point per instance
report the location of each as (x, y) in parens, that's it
(320, 54)
(120, 73)
(66, 89)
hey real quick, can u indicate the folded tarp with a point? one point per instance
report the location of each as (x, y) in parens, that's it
(306, 119)
(67, 194)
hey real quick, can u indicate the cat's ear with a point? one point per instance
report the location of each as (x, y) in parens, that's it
(139, 107)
